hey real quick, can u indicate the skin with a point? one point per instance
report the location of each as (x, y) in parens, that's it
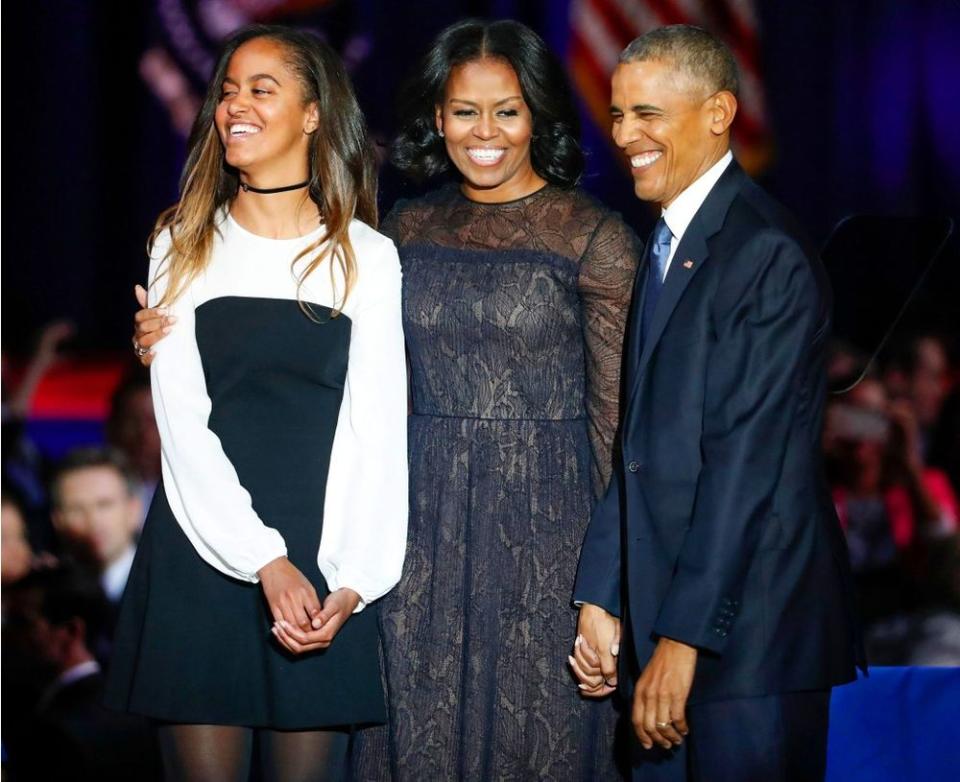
(261, 91)
(17, 554)
(672, 131)
(97, 512)
(483, 109)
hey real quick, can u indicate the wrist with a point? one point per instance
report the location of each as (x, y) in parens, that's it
(271, 567)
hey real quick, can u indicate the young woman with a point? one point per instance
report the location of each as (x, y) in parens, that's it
(281, 402)
(515, 297)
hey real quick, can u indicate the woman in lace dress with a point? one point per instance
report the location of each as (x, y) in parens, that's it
(515, 294)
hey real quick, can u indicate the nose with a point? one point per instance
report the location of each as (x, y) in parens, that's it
(625, 132)
(485, 128)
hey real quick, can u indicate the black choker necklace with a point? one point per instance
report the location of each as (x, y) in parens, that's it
(268, 190)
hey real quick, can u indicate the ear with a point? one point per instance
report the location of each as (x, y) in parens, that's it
(313, 119)
(438, 118)
(722, 108)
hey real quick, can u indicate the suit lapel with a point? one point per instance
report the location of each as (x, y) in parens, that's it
(691, 255)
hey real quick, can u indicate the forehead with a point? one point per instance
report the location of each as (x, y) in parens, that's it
(647, 82)
(484, 78)
(96, 479)
(261, 55)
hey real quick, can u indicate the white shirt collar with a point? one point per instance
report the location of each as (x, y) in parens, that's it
(114, 578)
(65, 679)
(680, 213)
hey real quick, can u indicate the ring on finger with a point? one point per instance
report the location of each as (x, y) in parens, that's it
(139, 349)
(664, 724)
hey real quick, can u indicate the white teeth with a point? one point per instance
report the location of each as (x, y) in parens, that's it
(243, 130)
(645, 159)
(485, 155)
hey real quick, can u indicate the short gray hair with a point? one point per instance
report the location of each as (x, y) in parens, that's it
(696, 53)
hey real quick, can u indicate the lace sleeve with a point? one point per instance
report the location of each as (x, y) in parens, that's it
(607, 272)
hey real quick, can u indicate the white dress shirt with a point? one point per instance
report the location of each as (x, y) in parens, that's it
(113, 579)
(364, 528)
(680, 213)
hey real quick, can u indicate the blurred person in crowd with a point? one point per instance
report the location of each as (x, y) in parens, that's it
(96, 511)
(15, 549)
(132, 429)
(52, 614)
(889, 502)
(23, 466)
(917, 371)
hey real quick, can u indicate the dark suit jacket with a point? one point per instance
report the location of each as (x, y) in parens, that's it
(74, 737)
(717, 529)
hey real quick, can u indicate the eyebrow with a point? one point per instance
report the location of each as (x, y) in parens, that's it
(255, 77)
(498, 103)
(638, 109)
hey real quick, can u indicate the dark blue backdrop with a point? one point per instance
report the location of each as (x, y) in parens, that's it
(862, 96)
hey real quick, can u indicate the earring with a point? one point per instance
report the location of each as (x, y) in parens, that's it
(441, 133)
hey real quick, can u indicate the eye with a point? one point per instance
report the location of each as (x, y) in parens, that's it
(463, 112)
(260, 91)
(508, 113)
(224, 94)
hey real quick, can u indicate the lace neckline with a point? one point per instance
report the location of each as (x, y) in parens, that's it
(512, 202)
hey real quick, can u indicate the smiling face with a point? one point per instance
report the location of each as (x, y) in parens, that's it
(262, 118)
(487, 128)
(671, 130)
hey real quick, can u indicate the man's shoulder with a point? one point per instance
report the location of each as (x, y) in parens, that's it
(754, 214)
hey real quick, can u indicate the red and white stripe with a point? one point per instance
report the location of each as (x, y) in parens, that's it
(600, 29)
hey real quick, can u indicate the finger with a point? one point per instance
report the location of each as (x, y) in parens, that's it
(587, 659)
(678, 715)
(151, 338)
(146, 359)
(141, 293)
(313, 609)
(289, 608)
(637, 718)
(591, 680)
(151, 313)
(330, 626)
(650, 721)
(285, 640)
(290, 635)
(665, 723)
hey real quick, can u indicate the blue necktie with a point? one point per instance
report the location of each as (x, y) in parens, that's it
(659, 247)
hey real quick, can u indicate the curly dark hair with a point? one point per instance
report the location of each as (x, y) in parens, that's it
(555, 150)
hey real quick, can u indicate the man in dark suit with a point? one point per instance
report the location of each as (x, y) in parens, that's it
(714, 567)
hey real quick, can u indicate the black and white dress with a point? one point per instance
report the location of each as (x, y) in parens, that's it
(282, 434)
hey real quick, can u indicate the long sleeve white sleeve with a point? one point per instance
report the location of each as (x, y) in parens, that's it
(201, 484)
(365, 518)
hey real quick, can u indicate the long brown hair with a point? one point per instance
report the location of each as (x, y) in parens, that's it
(343, 174)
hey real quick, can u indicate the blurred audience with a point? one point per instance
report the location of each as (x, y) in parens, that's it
(15, 549)
(51, 614)
(132, 429)
(900, 511)
(96, 511)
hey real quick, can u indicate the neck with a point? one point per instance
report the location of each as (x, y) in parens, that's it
(278, 215)
(708, 162)
(503, 193)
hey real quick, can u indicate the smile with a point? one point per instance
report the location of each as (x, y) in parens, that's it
(485, 156)
(240, 130)
(645, 159)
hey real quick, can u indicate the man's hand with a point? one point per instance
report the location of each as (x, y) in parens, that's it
(337, 609)
(660, 699)
(594, 660)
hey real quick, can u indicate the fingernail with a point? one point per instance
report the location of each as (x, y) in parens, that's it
(583, 686)
(615, 649)
(165, 330)
(571, 660)
(578, 641)
(171, 318)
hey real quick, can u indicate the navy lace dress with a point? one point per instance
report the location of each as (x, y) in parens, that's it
(514, 316)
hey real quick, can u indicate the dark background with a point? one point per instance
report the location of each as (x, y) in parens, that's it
(862, 96)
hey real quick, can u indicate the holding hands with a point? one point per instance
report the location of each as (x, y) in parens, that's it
(594, 659)
(660, 696)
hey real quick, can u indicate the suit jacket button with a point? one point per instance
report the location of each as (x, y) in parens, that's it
(633, 466)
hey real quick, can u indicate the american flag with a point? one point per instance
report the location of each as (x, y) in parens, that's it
(600, 29)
